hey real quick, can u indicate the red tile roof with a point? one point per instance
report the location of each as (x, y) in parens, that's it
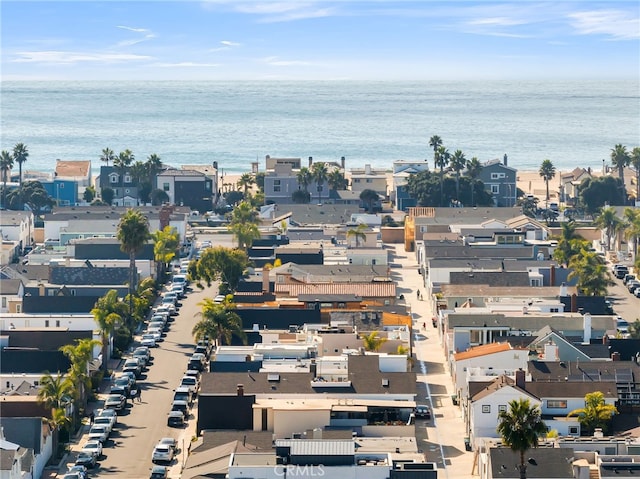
(67, 169)
(383, 289)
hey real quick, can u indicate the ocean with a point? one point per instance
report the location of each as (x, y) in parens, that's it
(235, 123)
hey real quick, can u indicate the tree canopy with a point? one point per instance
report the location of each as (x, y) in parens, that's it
(222, 264)
(595, 192)
(425, 188)
(596, 413)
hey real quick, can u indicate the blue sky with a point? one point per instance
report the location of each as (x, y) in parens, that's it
(319, 40)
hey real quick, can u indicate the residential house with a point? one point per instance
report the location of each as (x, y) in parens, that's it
(121, 181)
(500, 180)
(402, 170)
(187, 188)
(211, 172)
(11, 293)
(369, 178)
(35, 440)
(361, 380)
(383, 292)
(17, 226)
(64, 192)
(75, 172)
(542, 463)
(569, 182)
(15, 462)
(367, 256)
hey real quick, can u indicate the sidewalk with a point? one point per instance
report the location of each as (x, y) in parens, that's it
(445, 434)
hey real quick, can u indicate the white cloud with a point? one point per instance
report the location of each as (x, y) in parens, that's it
(134, 41)
(66, 57)
(229, 43)
(276, 12)
(132, 29)
(617, 24)
(497, 21)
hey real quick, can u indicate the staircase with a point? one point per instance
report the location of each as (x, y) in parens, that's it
(594, 472)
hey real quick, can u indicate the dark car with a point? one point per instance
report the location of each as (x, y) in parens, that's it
(180, 405)
(423, 412)
(621, 272)
(158, 472)
(134, 366)
(86, 459)
(175, 419)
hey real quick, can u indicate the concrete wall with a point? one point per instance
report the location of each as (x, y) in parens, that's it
(392, 235)
(287, 422)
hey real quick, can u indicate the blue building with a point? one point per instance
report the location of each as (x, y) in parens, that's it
(63, 192)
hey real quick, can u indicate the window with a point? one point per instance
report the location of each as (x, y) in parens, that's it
(46, 323)
(127, 178)
(496, 176)
(4, 302)
(51, 292)
(61, 186)
(495, 189)
(475, 337)
(573, 429)
(276, 188)
(502, 407)
(113, 178)
(369, 180)
(554, 310)
(127, 191)
(19, 310)
(357, 180)
(486, 408)
(165, 186)
(276, 182)
(57, 323)
(557, 404)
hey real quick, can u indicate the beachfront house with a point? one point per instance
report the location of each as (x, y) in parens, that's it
(122, 182)
(187, 188)
(500, 180)
(369, 178)
(402, 170)
(75, 171)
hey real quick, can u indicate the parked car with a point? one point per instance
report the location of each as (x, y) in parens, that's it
(78, 469)
(621, 272)
(109, 413)
(219, 299)
(143, 354)
(158, 472)
(182, 406)
(98, 433)
(191, 382)
(423, 411)
(115, 401)
(133, 365)
(175, 419)
(162, 453)
(149, 340)
(628, 277)
(93, 446)
(121, 385)
(171, 442)
(156, 334)
(197, 361)
(183, 393)
(632, 285)
(86, 459)
(622, 325)
(104, 421)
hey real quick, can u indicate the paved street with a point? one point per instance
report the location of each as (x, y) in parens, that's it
(442, 438)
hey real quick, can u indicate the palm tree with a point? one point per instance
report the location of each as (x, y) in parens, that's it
(358, 233)
(139, 172)
(20, 155)
(474, 167)
(107, 155)
(609, 222)
(165, 245)
(320, 174)
(632, 227)
(520, 428)
(6, 163)
(133, 234)
(458, 162)
(244, 224)
(435, 142)
(154, 165)
(56, 393)
(620, 158)
(441, 161)
(304, 178)
(121, 163)
(80, 355)
(592, 274)
(547, 172)
(595, 413)
(218, 322)
(246, 181)
(369, 197)
(337, 181)
(634, 160)
(106, 314)
(569, 243)
(372, 342)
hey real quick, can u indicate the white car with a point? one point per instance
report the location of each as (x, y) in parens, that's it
(104, 421)
(156, 333)
(109, 413)
(162, 453)
(191, 382)
(148, 340)
(98, 433)
(93, 447)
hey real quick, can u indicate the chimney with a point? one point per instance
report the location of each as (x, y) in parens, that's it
(240, 390)
(574, 303)
(313, 368)
(521, 379)
(586, 319)
(550, 351)
(553, 275)
(164, 214)
(265, 280)
(310, 161)
(615, 356)
(40, 289)
(563, 290)
(605, 339)
(505, 160)
(343, 162)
